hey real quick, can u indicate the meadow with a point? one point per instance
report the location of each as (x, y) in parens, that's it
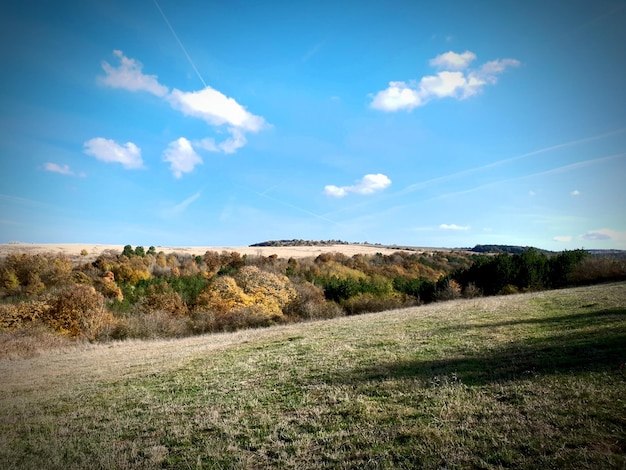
(533, 380)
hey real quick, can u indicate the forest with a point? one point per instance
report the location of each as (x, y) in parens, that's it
(141, 293)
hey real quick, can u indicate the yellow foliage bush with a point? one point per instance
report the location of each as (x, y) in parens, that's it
(34, 286)
(131, 271)
(269, 292)
(20, 314)
(260, 292)
(222, 296)
(9, 282)
(333, 268)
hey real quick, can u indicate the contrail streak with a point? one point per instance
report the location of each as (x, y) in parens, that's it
(180, 43)
(561, 169)
(423, 184)
(286, 204)
(440, 179)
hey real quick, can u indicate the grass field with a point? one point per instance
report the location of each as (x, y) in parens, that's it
(526, 381)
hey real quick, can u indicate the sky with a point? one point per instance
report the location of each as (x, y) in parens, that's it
(204, 123)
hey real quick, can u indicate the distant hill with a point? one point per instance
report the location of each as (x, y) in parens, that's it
(512, 249)
(295, 242)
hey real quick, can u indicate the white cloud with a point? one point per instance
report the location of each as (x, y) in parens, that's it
(604, 234)
(369, 184)
(452, 82)
(452, 60)
(61, 169)
(532, 193)
(181, 156)
(562, 238)
(106, 150)
(575, 193)
(230, 145)
(454, 227)
(207, 104)
(335, 191)
(215, 108)
(398, 96)
(128, 75)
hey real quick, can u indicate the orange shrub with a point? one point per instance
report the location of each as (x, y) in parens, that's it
(310, 303)
(78, 311)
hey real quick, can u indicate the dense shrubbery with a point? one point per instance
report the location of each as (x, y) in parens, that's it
(143, 294)
(530, 270)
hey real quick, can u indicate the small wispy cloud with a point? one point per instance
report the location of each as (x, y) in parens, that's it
(230, 145)
(128, 75)
(312, 51)
(575, 193)
(369, 184)
(604, 234)
(452, 60)
(454, 80)
(107, 150)
(562, 238)
(532, 193)
(181, 206)
(181, 156)
(61, 169)
(454, 227)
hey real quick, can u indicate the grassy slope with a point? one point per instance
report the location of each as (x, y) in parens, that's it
(528, 381)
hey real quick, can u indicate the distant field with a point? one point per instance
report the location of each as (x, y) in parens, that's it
(526, 381)
(74, 249)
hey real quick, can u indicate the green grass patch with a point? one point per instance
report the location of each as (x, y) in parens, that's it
(527, 381)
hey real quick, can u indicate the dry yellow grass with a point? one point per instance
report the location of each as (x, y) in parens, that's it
(74, 249)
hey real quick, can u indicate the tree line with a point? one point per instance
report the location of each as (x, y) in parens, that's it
(145, 293)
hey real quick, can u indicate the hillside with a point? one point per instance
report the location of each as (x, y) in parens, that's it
(527, 381)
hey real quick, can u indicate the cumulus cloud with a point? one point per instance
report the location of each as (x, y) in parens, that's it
(604, 234)
(456, 81)
(181, 157)
(215, 108)
(562, 238)
(369, 184)
(56, 168)
(107, 150)
(128, 75)
(454, 227)
(399, 95)
(208, 104)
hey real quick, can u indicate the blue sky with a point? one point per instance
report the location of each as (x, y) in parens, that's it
(443, 124)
